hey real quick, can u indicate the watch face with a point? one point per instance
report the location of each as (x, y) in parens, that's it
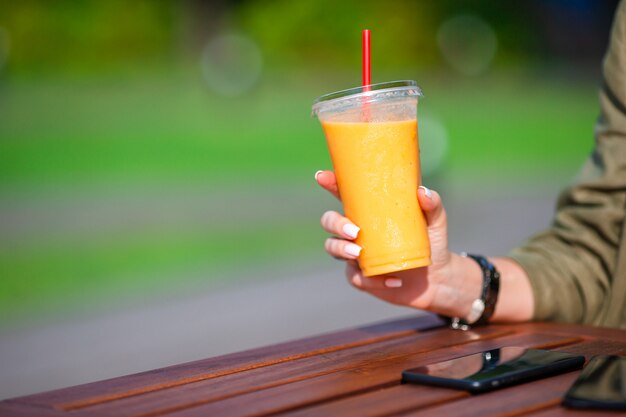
(478, 306)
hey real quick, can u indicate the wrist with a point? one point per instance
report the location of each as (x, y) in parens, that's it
(460, 287)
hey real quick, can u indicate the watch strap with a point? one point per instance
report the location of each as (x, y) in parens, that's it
(491, 287)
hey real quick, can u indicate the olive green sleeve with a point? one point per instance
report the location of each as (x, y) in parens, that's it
(571, 265)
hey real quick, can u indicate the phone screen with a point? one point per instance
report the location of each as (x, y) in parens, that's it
(494, 368)
(602, 384)
(491, 363)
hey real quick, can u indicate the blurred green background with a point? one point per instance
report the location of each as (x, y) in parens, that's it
(145, 145)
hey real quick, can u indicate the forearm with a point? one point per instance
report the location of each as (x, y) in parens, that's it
(516, 300)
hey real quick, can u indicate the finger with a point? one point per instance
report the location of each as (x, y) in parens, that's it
(357, 279)
(430, 202)
(342, 249)
(339, 225)
(328, 181)
(354, 275)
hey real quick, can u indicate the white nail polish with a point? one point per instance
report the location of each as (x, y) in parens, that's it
(351, 230)
(427, 192)
(352, 249)
(317, 173)
(393, 283)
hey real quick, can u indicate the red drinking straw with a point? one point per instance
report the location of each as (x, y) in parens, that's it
(367, 67)
(367, 71)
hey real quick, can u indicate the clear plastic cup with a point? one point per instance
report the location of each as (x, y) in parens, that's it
(371, 133)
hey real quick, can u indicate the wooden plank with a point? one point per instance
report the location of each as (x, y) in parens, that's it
(285, 373)
(560, 411)
(595, 347)
(570, 329)
(515, 400)
(122, 387)
(386, 401)
(12, 409)
(403, 398)
(343, 384)
(524, 398)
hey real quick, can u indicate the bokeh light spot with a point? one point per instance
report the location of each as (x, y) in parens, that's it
(231, 64)
(433, 140)
(468, 43)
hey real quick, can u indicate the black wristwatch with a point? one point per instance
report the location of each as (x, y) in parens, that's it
(483, 307)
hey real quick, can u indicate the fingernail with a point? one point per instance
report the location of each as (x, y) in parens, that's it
(352, 249)
(393, 283)
(427, 192)
(357, 280)
(317, 173)
(351, 230)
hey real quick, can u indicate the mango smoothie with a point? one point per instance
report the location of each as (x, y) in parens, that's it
(377, 169)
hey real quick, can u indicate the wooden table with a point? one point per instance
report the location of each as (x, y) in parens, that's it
(352, 372)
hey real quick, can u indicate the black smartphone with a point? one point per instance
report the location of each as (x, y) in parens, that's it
(602, 384)
(493, 369)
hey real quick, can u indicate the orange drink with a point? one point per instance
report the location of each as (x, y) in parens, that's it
(373, 143)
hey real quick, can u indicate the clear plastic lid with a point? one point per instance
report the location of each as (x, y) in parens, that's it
(357, 96)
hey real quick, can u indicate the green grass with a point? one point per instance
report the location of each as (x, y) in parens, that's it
(56, 134)
(519, 130)
(52, 274)
(102, 132)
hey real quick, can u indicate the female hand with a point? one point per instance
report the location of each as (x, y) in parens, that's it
(437, 288)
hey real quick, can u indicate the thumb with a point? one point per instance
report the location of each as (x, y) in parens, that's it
(430, 202)
(328, 181)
